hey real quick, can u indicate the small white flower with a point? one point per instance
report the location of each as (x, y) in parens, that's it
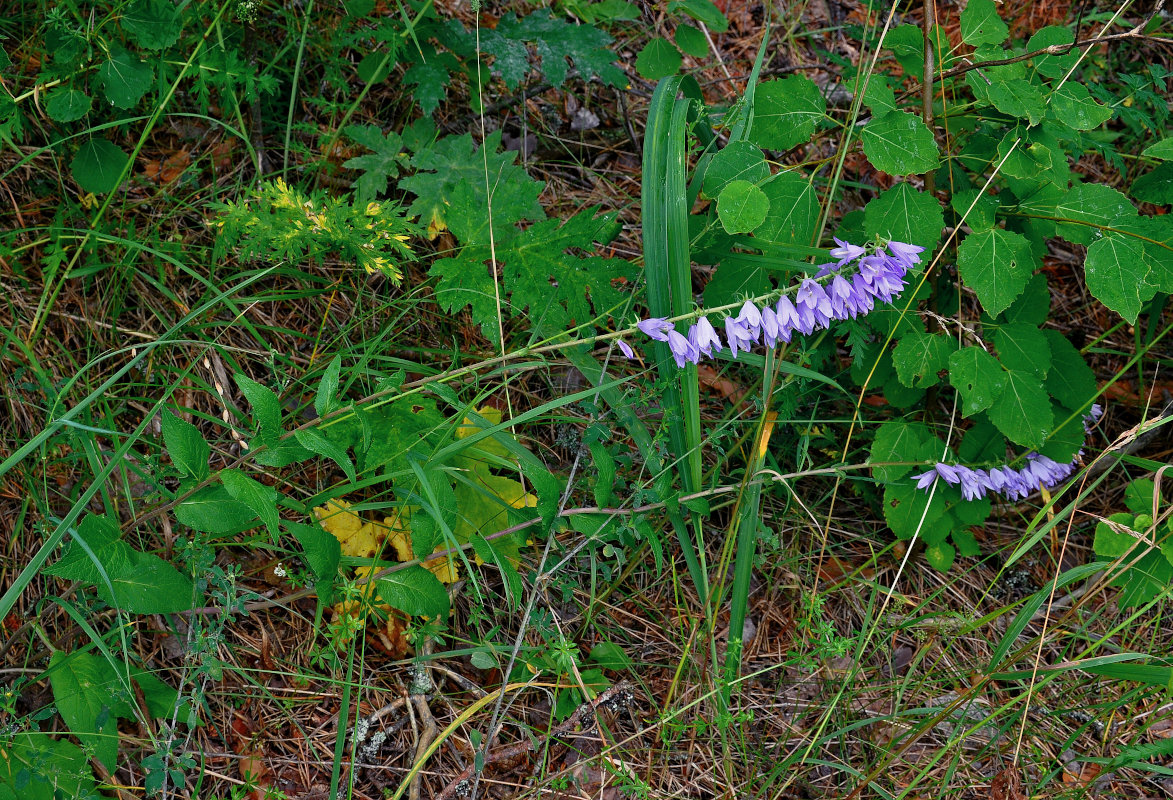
(279, 570)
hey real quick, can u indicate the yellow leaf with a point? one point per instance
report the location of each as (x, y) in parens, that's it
(358, 539)
(444, 568)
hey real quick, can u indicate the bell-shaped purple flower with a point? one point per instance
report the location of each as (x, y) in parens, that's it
(771, 330)
(625, 348)
(827, 269)
(926, 479)
(846, 252)
(738, 337)
(707, 339)
(843, 300)
(787, 317)
(682, 350)
(906, 254)
(750, 318)
(656, 328)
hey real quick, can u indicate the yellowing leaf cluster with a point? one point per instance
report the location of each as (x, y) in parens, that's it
(362, 539)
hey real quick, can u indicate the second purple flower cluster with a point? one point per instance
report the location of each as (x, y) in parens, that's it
(879, 278)
(1014, 484)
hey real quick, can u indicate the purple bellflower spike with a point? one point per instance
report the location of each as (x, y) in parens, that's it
(656, 328)
(812, 294)
(625, 348)
(707, 340)
(682, 350)
(843, 301)
(846, 252)
(971, 483)
(866, 301)
(906, 254)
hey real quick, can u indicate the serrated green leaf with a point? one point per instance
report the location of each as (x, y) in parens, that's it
(24, 775)
(793, 215)
(976, 208)
(1018, 98)
(913, 442)
(1089, 211)
(1033, 306)
(1065, 441)
(977, 377)
(430, 79)
(982, 444)
(1053, 66)
(899, 143)
(212, 510)
(1023, 348)
(1162, 150)
(1023, 411)
(918, 358)
(149, 585)
(1117, 274)
(1070, 380)
(321, 550)
(905, 215)
(1138, 496)
(980, 23)
(124, 78)
(736, 161)
(261, 499)
(415, 591)
(691, 41)
(385, 161)
(741, 207)
(154, 24)
(786, 112)
(940, 556)
(84, 688)
(556, 41)
(908, 45)
(186, 446)
(1074, 107)
(910, 511)
(64, 104)
(879, 96)
(266, 407)
(658, 59)
(609, 655)
(98, 166)
(1155, 187)
(103, 551)
(996, 264)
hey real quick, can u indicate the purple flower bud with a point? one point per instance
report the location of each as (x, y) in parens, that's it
(751, 319)
(787, 317)
(682, 350)
(625, 348)
(737, 336)
(925, 479)
(656, 328)
(948, 473)
(843, 300)
(827, 269)
(771, 330)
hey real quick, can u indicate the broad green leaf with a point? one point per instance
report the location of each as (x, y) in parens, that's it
(1162, 150)
(967, 546)
(266, 408)
(385, 160)
(1033, 306)
(321, 550)
(1053, 66)
(996, 264)
(976, 208)
(913, 442)
(741, 207)
(261, 499)
(313, 440)
(501, 554)
(604, 488)
(415, 591)
(703, 11)
(786, 112)
(89, 697)
(1089, 210)
(212, 510)
(940, 556)
(1070, 380)
(978, 378)
(793, 214)
(1074, 107)
(1023, 348)
(908, 45)
(102, 539)
(149, 585)
(38, 767)
(98, 166)
(918, 358)
(899, 143)
(982, 444)
(1138, 496)
(154, 24)
(374, 67)
(906, 215)
(64, 104)
(1018, 98)
(691, 41)
(159, 696)
(124, 78)
(736, 161)
(431, 78)
(736, 277)
(1067, 438)
(609, 655)
(326, 399)
(1023, 411)
(909, 511)
(558, 43)
(880, 97)
(1155, 187)
(1117, 274)
(606, 11)
(980, 23)
(658, 59)
(186, 446)
(1034, 163)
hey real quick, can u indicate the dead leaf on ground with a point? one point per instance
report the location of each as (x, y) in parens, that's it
(1007, 785)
